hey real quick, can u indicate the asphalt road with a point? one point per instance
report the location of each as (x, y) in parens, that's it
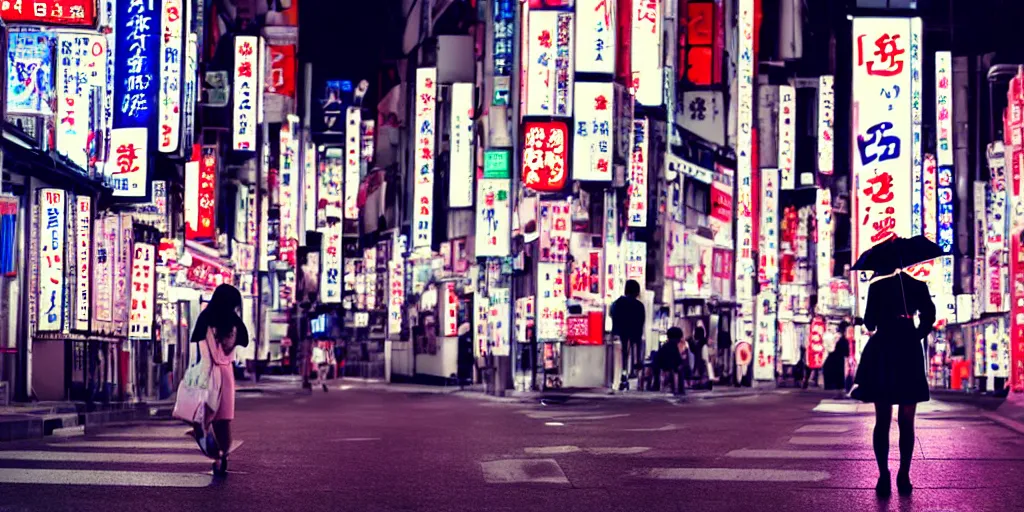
(365, 450)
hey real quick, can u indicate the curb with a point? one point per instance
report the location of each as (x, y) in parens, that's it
(19, 427)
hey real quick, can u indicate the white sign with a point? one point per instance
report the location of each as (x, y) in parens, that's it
(309, 184)
(767, 339)
(679, 167)
(493, 217)
(246, 82)
(645, 53)
(768, 270)
(592, 143)
(143, 290)
(548, 64)
(460, 174)
(916, 115)
(744, 266)
(787, 137)
(944, 107)
(636, 206)
(171, 63)
(595, 36)
(498, 325)
(703, 114)
(826, 116)
(551, 307)
(128, 164)
(423, 161)
(52, 238)
(450, 310)
(636, 261)
(81, 66)
(396, 295)
(289, 195)
(826, 228)
(330, 258)
(353, 141)
(83, 261)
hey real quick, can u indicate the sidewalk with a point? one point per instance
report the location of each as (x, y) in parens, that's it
(40, 419)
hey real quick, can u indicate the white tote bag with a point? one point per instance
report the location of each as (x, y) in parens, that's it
(198, 389)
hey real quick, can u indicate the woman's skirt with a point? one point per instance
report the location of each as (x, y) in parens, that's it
(891, 368)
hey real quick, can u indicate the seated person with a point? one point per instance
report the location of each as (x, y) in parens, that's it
(673, 359)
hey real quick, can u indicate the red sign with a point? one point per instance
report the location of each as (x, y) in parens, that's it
(585, 329)
(545, 155)
(281, 79)
(1017, 313)
(206, 189)
(743, 353)
(72, 13)
(549, 4)
(207, 273)
(721, 204)
(816, 344)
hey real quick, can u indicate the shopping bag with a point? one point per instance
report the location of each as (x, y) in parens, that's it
(198, 394)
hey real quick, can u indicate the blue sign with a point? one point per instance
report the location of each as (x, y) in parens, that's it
(504, 31)
(136, 64)
(30, 72)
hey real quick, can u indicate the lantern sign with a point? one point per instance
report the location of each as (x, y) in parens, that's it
(83, 261)
(547, 64)
(450, 311)
(493, 217)
(636, 206)
(424, 132)
(551, 307)
(201, 196)
(29, 72)
(593, 143)
(81, 74)
(816, 344)
(172, 58)
(330, 272)
(787, 137)
(143, 292)
(545, 155)
(826, 130)
(595, 37)
(68, 13)
(353, 162)
(246, 83)
(647, 82)
(52, 239)
(460, 182)
(555, 229)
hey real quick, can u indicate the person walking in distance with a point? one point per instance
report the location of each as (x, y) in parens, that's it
(628, 316)
(892, 371)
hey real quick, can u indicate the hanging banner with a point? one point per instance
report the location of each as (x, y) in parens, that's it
(768, 269)
(330, 272)
(648, 77)
(493, 218)
(67, 13)
(592, 143)
(721, 214)
(548, 64)
(545, 155)
(128, 166)
(787, 139)
(555, 230)
(104, 254)
(52, 238)
(551, 307)
(744, 255)
(201, 196)
(766, 340)
(460, 156)
(171, 64)
(826, 117)
(137, 41)
(190, 92)
(310, 182)
(825, 229)
(143, 288)
(423, 160)
(636, 203)
(996, 233)
(244, 99)
(929, 200)
(29, 72)
(289, 183)
(595, 37)
(81, 76)
(353, 163)
(281, 79)
(83, 261)
(498, 328)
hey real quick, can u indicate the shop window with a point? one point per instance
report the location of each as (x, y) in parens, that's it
(697, 198)
(700, 52)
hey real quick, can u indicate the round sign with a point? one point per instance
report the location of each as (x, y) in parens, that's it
(743, 353)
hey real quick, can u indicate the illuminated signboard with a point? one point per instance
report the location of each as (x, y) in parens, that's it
(916, 156)
(545, 155)
(72, 13)
(137, 85)
(595, 36)
(636, 206)
(353, 163)
(396, 297)
(460, 155)
(143, 290)
(330, 272)
(51, 258)
(826, 116)
(826, 227)
(289, 192)
(29, 72)
(493, 217)
(744, 257)
(201, 195)
(648, 76)
(944, 153)
(171, 63)
(768, 269)
(329, 191)
(424, 134)
(548, 64)
(83, 261)
(787, 137)
(551, 306)
(81, 73)
(592, 143)
(245, 107)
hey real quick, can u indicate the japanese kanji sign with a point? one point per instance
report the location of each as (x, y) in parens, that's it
(787, 137)
(81, 74)
(83, 261)
(595, 37)
(424, 133)
(493, 217)
(547, 64)
(593, 126)
(104, 256)
(246, 85)
(636, 201)
(555, 229)
(201, 196)
(396, 295)
(289, 196)
(330, 272)
(137, 43)
(545, 155)
(826, 114)
(353, 162)
(648, 75)
(128, 163)
(29, 72)
(551, 307)
(52, 254)
(460, 156)
(172, 59)
(143, 292)
(72, 13)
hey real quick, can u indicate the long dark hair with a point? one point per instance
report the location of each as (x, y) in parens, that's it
(220, 314)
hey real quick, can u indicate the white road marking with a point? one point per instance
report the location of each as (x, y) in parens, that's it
(104, 478)
(831, 429)
(357, 439)
(825, 440)
(554, 424)
(667, 428)
(628, 450)
(130, 445)
(141, 458)
(565, 449)
(551, 450)
(164, 432)
(523, 471)
(738, 475)
(597, 417)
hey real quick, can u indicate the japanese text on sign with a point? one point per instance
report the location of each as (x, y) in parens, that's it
(353, 117)
(128, 164)
(78, 13)
(493, 217)
(551, 307)
(171, 63)
(636, 206)
(396, 295)
(595, 37)
(83, 261)
(787, 137)
(648, 76)
(826, 113)
(137, 84)
(143, 289)
(246, 82)
(555, 228)
(548, 64)
(81, 73)
(330, 272)
(593, 139)
(424, 133)
(744, 257)
(29, 73)
(545, 155)
(460, 183)
(289, 162)
(51, 282)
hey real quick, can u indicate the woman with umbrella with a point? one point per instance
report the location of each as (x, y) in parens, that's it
(892, 370)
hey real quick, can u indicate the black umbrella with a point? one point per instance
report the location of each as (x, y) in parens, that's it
(897, 253)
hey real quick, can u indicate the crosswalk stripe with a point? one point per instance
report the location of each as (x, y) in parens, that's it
(828, 429)
(106, 478)
(738, 475)
(164, 432)
(142, 458)
(825, 440)
(130, 445)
